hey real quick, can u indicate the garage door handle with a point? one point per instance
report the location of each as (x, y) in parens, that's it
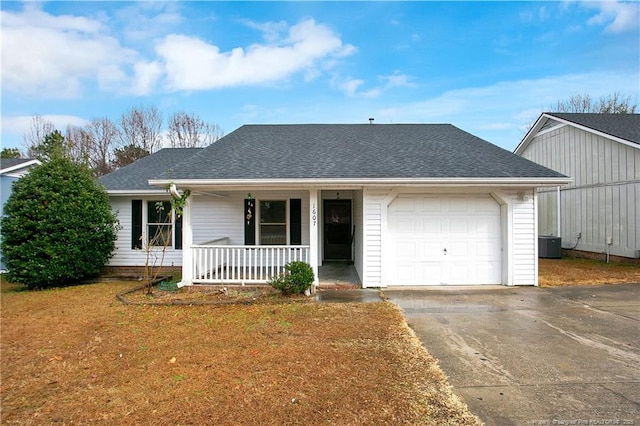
(444, 251)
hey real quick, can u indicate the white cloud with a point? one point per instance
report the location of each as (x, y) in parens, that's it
(351, 86)
(51, 55)
(271, 31)
(18, 125)
(191, 63)
(618, 17)
(143, 21)
(146, 75)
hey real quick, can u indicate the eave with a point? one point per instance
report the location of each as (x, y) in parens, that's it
(25, 165)
(535, 130)
(134, 192)
(365, 182)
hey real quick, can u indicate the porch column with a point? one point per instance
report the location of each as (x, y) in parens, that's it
(313, 233)
(187, 240)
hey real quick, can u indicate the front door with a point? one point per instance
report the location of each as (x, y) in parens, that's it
(337, 229)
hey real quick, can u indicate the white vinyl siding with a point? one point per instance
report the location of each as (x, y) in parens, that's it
(124, 255)
(213, 217)
(523, 251)
(372, 234)
(604, 199)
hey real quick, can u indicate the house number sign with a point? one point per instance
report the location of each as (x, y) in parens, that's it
(314, 214)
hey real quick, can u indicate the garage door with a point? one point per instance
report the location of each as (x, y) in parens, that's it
(439, 239)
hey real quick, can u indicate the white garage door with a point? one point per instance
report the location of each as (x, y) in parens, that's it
(438, 239)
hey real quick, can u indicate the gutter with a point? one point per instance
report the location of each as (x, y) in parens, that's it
(366, 182)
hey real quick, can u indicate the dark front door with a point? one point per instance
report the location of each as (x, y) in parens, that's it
(337, 229)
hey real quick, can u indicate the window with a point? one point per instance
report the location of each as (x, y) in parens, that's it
(159, 223)
(273, 223)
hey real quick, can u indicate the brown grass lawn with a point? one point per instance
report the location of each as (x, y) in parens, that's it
(76, 355)
(566, 271)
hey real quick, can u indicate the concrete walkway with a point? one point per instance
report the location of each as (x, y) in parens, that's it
(532, 356)
(362, 295)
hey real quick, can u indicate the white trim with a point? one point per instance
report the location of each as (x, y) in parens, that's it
(287, 221)
(297, 183)
(26, 164)
(314, 218)
(597, 132)
(535, 131)
(506, 229)
(135, 193)
(187, 241)
(535, 234)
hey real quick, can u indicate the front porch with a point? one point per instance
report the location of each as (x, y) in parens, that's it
(247, 238)
(217, 263)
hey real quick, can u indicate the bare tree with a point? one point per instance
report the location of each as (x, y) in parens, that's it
(614, 103)
(188, 130)
(102, 133)
(78, 143)
(141, 127)
(38, 129)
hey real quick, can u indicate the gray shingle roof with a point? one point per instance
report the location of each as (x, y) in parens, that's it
(624, 126)
(354, 151)
(135, 176)
(6, 163)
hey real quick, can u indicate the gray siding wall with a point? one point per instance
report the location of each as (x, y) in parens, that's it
(604, 199)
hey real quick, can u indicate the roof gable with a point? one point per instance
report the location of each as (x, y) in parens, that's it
(624, 128)
(12, 165)
(135, 176)
(353, 151)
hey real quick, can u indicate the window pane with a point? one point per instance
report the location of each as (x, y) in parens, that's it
(156, 215)
(273, 235)
(273, 211)
(159, 235)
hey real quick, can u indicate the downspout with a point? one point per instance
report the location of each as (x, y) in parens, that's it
(173, 190)
(558, 213)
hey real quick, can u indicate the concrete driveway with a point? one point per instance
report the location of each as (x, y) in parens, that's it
(526, 355)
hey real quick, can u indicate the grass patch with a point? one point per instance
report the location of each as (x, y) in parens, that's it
(77, 355)
(568, 271)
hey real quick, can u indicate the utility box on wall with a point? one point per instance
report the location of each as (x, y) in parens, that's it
(549, 247)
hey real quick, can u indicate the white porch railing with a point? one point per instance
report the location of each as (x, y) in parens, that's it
(218, 264)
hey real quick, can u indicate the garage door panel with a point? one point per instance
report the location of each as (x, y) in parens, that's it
(431, 227)
(467, 226)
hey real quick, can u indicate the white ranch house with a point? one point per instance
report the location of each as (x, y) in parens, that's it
(407, 204)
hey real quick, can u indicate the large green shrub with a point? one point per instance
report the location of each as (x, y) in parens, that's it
(296, 278)
(57, 227)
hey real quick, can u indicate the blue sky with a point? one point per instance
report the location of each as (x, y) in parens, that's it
(489, 68)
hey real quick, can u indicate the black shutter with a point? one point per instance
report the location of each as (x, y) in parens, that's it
(295, 216)
(136, 224)
(178, 233)
(249, 218)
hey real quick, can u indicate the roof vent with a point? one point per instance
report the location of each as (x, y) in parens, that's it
(371, 120)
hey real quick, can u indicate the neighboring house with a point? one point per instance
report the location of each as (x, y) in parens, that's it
(422, 204)
(12, 169)
(600, 210)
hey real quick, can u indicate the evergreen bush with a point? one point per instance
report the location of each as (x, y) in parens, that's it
(296, 278)
(57, 227)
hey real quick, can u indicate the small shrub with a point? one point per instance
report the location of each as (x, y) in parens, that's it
(296, 278)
